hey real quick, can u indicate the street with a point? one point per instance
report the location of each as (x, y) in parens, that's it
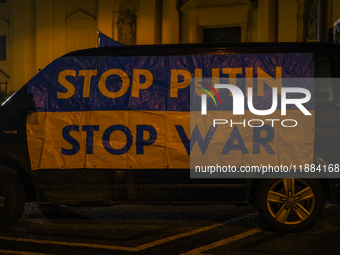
(162, 229)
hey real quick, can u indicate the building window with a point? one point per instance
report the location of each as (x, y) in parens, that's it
(2, 47)
(222, 35)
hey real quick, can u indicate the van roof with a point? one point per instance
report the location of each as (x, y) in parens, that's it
(204, 49)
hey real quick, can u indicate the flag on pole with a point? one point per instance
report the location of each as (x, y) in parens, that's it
(104, 40)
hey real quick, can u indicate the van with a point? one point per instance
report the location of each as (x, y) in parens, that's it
(105, 125)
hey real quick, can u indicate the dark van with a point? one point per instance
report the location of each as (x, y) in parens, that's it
(105, 125)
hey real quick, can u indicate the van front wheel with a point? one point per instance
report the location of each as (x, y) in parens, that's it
(290, 204)
(12, 197)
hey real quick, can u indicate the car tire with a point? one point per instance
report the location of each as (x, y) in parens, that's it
(12, 197)
(290, 205)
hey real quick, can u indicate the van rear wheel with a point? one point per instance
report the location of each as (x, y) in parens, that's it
(290, 204)
(12, 197)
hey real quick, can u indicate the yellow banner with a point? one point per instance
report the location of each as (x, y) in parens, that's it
(161, 139)
(107, 139)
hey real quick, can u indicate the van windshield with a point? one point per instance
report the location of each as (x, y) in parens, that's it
(13, 104)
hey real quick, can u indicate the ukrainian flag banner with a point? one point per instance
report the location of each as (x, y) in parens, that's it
(134, 112)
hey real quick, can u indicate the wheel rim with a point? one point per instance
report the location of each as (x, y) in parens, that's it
(290, 201)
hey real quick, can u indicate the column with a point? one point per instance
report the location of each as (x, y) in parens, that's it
(148, 22)
(59, 28)
(43, 33)
(104, 16)
(266, 30)
(170, 22)
(287, 21)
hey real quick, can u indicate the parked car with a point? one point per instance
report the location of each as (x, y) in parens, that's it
(58, 147)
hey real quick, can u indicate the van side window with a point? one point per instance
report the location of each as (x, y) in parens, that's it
(324, 89)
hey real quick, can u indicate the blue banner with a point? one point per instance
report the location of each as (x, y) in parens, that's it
(153, 83)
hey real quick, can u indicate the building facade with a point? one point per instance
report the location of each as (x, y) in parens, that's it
(35, 32)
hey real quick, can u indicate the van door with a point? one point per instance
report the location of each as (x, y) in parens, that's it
(327, 112)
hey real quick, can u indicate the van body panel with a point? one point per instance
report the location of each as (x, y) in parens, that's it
(105, 186)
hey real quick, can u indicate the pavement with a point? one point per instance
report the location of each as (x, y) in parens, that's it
(163, 229)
